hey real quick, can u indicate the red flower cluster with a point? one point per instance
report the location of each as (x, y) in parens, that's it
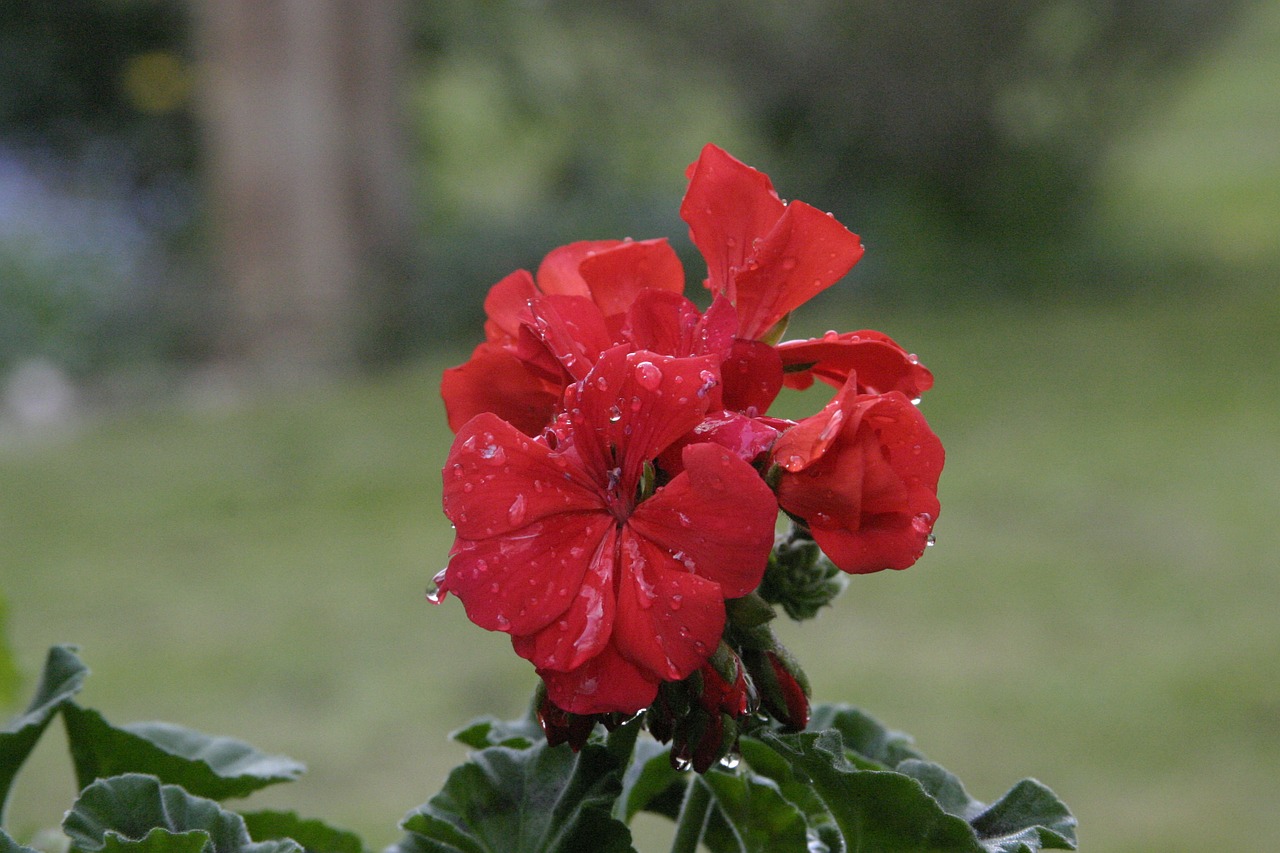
(615, 478)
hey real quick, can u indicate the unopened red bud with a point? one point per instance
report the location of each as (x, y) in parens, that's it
(793, 710)
(562, 727)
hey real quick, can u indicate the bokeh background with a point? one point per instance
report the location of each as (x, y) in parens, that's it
(239, 239)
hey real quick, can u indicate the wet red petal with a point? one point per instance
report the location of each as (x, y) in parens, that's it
(632, 406)
(717, 519)
(880, 364)
(727, 206)
(663, 322)
(806, 252)
(572, 329)
(582, 630)
(605, 684)
(669, 621)
(522, 582)
(497, 480)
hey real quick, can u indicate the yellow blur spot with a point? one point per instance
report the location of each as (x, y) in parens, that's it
(157, 82)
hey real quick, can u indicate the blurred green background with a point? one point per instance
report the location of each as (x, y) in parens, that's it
(224, 484)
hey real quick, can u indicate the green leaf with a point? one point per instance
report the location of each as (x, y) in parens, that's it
(650, 782)
(874, 809)
(205, 765)
(157, 841)
(750, 815)
(8, 845)
(534, 800)
(315, 836)
(484, 732)
(864, 735)
(127, 808)
(1029, 817)
(62, 678)
(823, 831)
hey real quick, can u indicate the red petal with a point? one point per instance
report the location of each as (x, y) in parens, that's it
(498, 480)
(752, 376)
(521, 583)
(804, 443)
(663, 322)
(669, 621)
(559, 273)
(506, 304)
(870, 495)
(806, 252)
(605, 684)
(635, 404)
(727, 206)
(572, 329)
(745, 437)
(494, 380)
(716, 519)
(616, 276)
(582, 630)
(880, 364)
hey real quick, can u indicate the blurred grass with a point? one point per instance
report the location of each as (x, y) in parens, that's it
(1099, 611)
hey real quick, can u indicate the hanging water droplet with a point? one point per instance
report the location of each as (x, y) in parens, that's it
(930, 541)
(730, 761)
(436, 592)
(709, 381)
(681, 763)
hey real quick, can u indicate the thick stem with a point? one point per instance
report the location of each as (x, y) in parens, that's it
(693, 816)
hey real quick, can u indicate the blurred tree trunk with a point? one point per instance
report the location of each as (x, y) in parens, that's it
(306, 170)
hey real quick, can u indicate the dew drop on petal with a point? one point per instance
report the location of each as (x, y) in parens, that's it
(831, 335)
(788, 263)
(615, 414)
(516, 512)
(648, 375)
(677, 601)
(503, 623)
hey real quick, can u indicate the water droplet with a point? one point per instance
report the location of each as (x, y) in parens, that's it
(494, 587)
(730, 762)
(648, 375)
(930, 541)
(494, 454)
(615, 414)
(516, 512)
(922, 523)
(832, 426)
(602, 383)
(788, 263)
(709, 381)
(831, 335)
(677, 601)
(681, 763)
(503, 623)
(437, 591)
(468, 487)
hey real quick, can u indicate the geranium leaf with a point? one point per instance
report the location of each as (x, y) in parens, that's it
(127, 808)
(943, 786)
(62, 678)
(157, 841)
(205, 765)
(874, 809)
(484, 732)
(823, 831)
(8, 845)
(535, 800)
(867, 737)
(1029, 817)
(750, 815)
(315, 836)
(647, 779)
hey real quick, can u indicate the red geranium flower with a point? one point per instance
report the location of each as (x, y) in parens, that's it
(766, 255)
(607, 589)
(863, 475)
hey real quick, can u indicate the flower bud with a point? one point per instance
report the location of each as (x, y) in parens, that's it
(562, 727)
(800, 578)
(783, 686)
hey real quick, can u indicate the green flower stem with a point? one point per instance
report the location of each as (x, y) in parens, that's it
(694, 813)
